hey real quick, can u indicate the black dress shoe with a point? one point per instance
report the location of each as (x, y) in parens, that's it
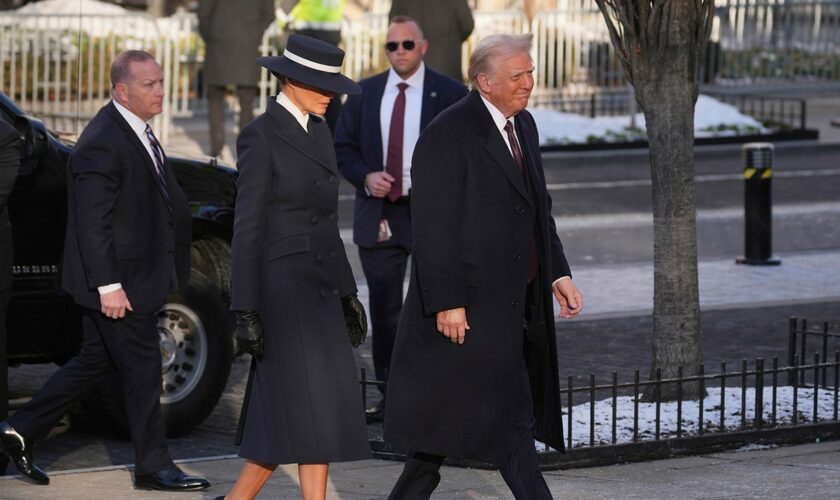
(19, 451)
(376, 413)
(172, 479)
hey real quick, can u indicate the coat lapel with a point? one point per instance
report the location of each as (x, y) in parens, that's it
(141, 150)
(526, 135)
(429, 106)
(496, 146)
(291, 132)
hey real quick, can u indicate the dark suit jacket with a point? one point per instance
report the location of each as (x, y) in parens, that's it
(232, 32)
(358, 141)
(474, 217)
(119, 226)
(9, 165)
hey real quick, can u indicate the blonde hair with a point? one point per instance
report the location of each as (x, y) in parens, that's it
(493, 48)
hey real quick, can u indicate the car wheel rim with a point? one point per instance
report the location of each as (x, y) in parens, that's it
(183, 349)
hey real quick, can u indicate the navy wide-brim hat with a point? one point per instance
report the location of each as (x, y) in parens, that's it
(313, 62)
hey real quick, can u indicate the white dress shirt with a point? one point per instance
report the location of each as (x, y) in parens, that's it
(411, 123)
(500, 121)
(138, 126)
(301, 117)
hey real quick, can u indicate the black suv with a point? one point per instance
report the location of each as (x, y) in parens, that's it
(45, 325)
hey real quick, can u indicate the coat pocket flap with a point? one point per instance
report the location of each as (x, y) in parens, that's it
(287, 245)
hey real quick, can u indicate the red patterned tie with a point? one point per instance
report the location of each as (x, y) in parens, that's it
(534, 262)
(394, 161)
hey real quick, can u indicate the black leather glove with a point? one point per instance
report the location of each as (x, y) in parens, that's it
(355, 318)
(249, 333)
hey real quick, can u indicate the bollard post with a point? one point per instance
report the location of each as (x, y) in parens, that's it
(758, 209)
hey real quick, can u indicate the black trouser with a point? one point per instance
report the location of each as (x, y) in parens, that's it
(384, 267)
(521, 470)
(129, 346)
(216, 112)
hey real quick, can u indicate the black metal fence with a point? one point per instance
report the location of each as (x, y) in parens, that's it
(760, 401)
(776, 113)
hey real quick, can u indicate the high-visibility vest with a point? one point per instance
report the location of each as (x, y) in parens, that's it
(317, 14)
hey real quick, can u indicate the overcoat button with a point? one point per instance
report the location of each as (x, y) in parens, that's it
(333, 179)
(333, 216)
(319, 257)
(515, 303)
(319, 183)
(335, 293)
(172, 252)
(323, 293)
(517, 258)
(332, 255)
(314, 220)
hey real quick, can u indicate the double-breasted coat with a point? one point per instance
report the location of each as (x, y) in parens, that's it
(474, 216)
(232, 32)
(289, 264)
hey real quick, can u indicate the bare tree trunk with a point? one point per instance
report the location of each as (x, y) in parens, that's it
(661, 44)
(677, 339)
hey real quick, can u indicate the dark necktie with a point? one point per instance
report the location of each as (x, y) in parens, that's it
(534, 262)
(158, 157)
(394, 160)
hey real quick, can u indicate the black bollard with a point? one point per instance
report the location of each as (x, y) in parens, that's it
(758, 206)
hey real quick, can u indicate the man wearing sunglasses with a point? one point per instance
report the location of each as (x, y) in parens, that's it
(374, 142)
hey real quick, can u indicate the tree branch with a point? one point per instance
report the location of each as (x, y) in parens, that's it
(608, 7)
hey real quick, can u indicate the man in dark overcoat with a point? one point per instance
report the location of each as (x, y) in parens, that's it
(447, 24)
(232, 32)
(127, 246)
(474, 370)
(9, 166)
(394, 106)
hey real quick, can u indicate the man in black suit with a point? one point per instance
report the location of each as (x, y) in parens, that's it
(9, 166)
(127, 246)
(474, 370)
(374, 142)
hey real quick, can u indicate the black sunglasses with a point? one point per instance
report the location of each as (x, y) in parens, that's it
(407, 45)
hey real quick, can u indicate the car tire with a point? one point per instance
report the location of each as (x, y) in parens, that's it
(212, 256)
(197, 352)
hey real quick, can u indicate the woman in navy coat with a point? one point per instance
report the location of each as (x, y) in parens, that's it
(293, 291)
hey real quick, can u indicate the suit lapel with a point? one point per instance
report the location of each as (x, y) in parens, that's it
(141, 150)
(372, 110)
(290, 131)
(428, 109)
(496, 146)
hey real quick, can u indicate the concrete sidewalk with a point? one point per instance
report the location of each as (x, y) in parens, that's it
(801, 471)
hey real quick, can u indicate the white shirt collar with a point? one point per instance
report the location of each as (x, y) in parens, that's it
(301, 117)
(135, 122)
(415, 80)
(498, 117)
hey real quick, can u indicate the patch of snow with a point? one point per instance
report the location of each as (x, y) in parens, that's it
(710, 115)
(602, 429)
(756, 447)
